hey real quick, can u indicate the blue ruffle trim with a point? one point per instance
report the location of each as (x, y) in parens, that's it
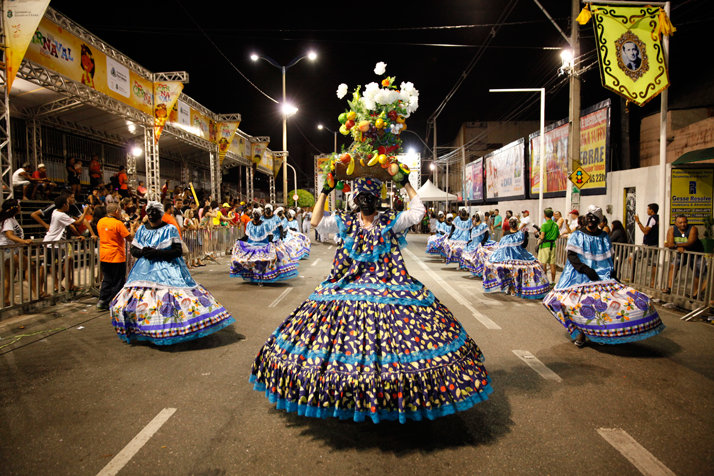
(375, 299)
(282, 277)
(177, 340)
(362, 359)
(376, 417)
(621, 340)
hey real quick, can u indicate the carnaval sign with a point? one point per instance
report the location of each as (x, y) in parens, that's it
(504, 172)
(473, 185)
(165, 96)
(21, 21)
(691, 194)
(631, 58)
(59, 50)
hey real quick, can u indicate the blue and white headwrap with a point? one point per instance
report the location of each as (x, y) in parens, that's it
(369, 185)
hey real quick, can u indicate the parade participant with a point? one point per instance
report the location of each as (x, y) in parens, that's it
(160, 302)
(458, 237)
(478, 249)
(512, 269)
(257, 258)
(298, 245)
(443, 250)
(589, 302)
(371, 342)
(433, 244)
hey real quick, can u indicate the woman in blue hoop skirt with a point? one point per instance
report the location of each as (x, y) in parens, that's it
(589, 302)
(444, 250)
(459, 236)
(433, 245)
(160, 302)
(478, 249)
(260, 257)
(512, 269)
(371, 342)
(298, 245)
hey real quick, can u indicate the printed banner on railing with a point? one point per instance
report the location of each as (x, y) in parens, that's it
(691, 194)
(504, 172)
(226, 131)
(59, 50)
(473, 186)
(166, 93)
(21, 21)
(630, 52)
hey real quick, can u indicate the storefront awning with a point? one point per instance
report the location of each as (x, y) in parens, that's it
(695, 156)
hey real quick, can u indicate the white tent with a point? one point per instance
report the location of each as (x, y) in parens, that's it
(431, 193)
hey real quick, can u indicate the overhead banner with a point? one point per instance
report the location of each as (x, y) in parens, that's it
(59, 50)
(630, 52)
(691, 194)
(226, 131)
(277, 165)
(504, 172)
(594, 153)
(166, 94)
(473, 186)
(21, 21)
(556, 159)
(257, 150)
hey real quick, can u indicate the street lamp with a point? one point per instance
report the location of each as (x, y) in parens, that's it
(321, 127)
(295, 173)
(542, 138)
(288, 110)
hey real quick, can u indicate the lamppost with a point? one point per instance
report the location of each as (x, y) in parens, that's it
(287, 109)
(321, 127)
(295, 174)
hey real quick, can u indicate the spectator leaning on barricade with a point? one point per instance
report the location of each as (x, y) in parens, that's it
(11, 233)
(112, 254)
(57, 231)
(22, 177)
(685, 237)
(548, 236)
(169, 215)
(46, 214)
(44, 185)
(651, 238)
(497, 225)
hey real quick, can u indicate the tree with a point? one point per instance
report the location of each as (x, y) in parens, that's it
(305, 198)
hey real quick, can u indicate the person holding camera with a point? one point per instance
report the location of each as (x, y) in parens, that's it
(112, 254)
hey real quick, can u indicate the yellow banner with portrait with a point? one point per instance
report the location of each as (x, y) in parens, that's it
(629, 46)
(226, 131)
(166, 93)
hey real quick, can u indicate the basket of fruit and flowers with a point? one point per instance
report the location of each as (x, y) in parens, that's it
(375, 119)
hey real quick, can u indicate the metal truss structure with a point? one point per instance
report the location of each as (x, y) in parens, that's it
(180, 76)
(229, 117)
(249, 185)
(5, 144)
(271, 184)
(215, 187)
(151, 155)
(33, 130)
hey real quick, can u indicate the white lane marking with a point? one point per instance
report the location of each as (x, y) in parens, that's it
(474, 295)
(125, 455)
(635, 453)
(280, 298)
(459, 298)
(329, 247)
(315, 262)
(533, 362)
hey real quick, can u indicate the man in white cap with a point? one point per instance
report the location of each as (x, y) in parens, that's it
(44, 186)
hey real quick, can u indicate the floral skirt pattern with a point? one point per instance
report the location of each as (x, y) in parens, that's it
(606, 312)
(369, 357)
(433, 245)
(298, 245)
(262, 263)
(453, 249)
(167, 315)
(526, 277)
(473, 260)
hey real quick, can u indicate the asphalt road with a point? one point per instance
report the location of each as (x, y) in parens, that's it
(74, 400)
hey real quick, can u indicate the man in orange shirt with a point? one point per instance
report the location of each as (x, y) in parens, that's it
(169, 216)
(112, 254)
(123, 182)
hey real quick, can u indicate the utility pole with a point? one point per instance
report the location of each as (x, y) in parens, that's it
(436, 165)
(574, 110)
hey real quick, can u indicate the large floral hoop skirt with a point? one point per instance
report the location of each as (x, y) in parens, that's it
(166, 315)
(607, 312)
(262, 263)
(297, 244)
(433, 244)
(473, 260)
(379, 352)
(526, 277)
(453, 249)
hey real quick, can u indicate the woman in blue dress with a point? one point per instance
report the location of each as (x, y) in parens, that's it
(298, 245)
(589, 302)
(433, 245)
(512, 269)
(371, 342)
(257, 258)
(160, 302)
(443, 250)
(458, 237)
(478, 249)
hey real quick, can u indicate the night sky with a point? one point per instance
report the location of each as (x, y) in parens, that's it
(351, 37)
